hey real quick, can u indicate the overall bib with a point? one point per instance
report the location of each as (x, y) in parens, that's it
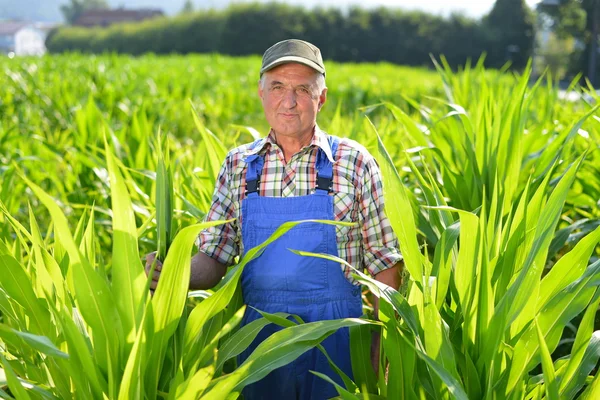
(281, 281)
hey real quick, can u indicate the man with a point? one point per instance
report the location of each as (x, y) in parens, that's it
(298, 172)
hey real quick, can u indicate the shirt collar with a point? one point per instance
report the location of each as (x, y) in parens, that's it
(319, 139)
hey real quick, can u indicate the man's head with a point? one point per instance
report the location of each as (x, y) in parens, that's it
(292, 87)
(292, 50)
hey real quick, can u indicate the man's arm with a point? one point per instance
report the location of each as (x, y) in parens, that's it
(391, 277)
(217, 244)
(206, 272)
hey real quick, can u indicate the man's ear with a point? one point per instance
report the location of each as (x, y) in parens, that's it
(322, 99)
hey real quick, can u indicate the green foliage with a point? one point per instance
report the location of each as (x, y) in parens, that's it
(569, 17)
(491, 185)
(555, 55)
(360, 35)
(575, 19)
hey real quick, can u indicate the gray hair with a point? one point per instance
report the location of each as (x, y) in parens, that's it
(320, 82)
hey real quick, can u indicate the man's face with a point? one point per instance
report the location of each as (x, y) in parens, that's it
(291, 99)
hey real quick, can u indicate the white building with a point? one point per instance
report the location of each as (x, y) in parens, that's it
(21, 38)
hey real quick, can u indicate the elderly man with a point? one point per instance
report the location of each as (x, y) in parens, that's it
(298, 172)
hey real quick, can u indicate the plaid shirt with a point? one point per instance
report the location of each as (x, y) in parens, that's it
(357, 191)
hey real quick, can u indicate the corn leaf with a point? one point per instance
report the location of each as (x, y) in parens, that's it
(127, 273)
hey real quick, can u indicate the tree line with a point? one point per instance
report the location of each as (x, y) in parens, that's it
(354, 35)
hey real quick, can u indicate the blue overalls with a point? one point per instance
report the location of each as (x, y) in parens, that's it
(281, 281)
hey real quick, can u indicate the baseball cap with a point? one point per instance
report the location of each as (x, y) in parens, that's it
(292, 50)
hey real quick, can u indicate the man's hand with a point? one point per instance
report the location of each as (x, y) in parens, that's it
(150, 258)
(205, 271)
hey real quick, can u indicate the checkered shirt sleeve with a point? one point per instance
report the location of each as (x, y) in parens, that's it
(379, 241)
(221, 242)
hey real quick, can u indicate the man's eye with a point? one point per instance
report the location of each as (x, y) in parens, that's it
(277, 87)
(304, 91)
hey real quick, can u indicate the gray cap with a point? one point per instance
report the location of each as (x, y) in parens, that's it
(292, 50)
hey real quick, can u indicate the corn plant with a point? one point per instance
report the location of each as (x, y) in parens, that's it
(483, 311)
(93, 336)
(491, 184)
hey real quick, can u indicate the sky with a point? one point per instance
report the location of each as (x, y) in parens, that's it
(474, 8)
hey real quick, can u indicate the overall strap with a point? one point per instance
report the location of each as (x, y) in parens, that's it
(325, 168)
(253, 172)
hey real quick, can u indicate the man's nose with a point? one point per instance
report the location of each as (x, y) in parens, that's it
(289, 98)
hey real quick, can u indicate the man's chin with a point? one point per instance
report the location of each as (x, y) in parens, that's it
(286, 130)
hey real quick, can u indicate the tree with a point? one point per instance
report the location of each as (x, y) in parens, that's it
(579, 19)
(567, 17)
(74, 8)
(511, 29)
(188, 7)
(554, 54)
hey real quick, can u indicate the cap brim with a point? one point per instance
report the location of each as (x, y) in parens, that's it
(288, 59)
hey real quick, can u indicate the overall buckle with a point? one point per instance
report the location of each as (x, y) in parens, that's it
(325, 183)
(252, 186)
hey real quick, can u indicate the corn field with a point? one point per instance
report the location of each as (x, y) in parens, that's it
(492, 185)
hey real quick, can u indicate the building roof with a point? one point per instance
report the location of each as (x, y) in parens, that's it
(107, 16)
(12, 27)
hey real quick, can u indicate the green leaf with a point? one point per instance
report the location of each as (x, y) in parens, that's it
(80, 353)
(391, 296)
(582, 339)
(588, 363)
(164, 199)
(197, 383)
(132, 386)
(465, 269)
(279, 349)
(397, 207)
(442, 262)
(13, 381)
(380, 289)
(46, 267)
(168, 301)
(128, 276)
(88, 243)
(402, 359)
(39, 343)
(592, 392)
(552, 320)
(570, 267)
(360, 355)
(516, 298)
(241, 339)
(214, 150)
(437, 341)
(549, 375)
(345, 395)
(92, 292)
(454, 386)
(17, 285)
(233, 322)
